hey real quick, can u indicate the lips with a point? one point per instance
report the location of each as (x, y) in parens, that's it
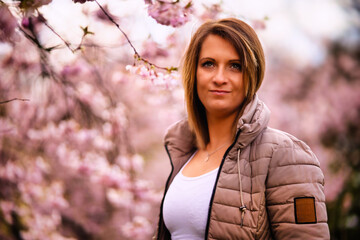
(219, 91)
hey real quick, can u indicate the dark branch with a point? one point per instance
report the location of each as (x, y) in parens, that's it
(137, 55)
(118, 26)
(62, 39)
(14, 99)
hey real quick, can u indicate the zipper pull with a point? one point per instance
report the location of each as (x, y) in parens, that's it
(242, 210)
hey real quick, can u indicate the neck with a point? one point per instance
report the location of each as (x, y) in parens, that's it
(221, 130)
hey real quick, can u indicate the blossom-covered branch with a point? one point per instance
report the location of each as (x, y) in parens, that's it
(137, 56)
(166, 13)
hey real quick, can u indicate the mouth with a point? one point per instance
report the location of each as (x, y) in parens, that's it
(219, 91)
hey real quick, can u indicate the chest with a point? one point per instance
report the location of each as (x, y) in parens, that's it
(200, 163)
(242, 181)
(186, 203)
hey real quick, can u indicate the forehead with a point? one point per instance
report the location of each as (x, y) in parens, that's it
(216, 46)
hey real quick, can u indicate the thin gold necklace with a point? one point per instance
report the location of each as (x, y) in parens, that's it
(209, 154)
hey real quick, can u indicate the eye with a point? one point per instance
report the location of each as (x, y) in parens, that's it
(207, 64)
(236, 66)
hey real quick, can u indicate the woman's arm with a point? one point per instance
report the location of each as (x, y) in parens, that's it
(295, 194)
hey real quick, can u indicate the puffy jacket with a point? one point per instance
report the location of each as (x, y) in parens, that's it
(269, 184)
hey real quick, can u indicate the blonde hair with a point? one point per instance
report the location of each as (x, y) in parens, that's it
(249, 49)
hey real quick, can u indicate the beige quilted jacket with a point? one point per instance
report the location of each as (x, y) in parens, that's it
(269, 185)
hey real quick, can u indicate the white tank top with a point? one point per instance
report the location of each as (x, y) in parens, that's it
(186, 205)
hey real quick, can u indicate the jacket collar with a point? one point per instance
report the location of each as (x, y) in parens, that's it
(180, 140)
(255, 118)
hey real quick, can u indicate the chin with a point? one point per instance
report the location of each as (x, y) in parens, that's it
(221, 111)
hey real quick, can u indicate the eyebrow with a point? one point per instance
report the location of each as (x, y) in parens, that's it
(212, 59)
(206, 58)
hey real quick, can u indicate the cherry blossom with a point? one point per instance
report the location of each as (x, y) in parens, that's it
(211, 12)
(85, 153)
(8, 24)
(136, 229)
(6, 208)
(157, 78)
(152, 50)
(168, 13)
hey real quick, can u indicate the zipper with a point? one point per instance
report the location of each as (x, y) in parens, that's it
(216, 181)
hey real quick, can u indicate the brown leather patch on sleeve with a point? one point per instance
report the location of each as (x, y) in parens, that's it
(305, 211)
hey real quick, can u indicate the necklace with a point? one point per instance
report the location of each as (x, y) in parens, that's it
(209, 154)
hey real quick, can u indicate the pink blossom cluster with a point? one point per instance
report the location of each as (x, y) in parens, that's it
(158, 79)
(88, 94)
(74, 151)
(152, 50)
(139, 193)
(167, 13)
(44, 227)
(65, 149)
(82, 1)
(137, 228)
(8, 24)
(211, 12)
(39, 202)
(71, 71)
(258, 24)
(82, 152)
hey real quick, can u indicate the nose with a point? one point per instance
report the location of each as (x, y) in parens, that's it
(219, 76)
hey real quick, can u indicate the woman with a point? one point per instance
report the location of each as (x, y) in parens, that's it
(232, 176)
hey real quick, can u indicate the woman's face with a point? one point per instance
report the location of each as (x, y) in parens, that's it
(220, 84)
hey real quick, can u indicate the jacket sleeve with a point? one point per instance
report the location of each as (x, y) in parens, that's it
(295, 194)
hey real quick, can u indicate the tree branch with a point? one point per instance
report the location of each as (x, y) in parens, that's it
(137, 55)
(14, 99)
(62, 39)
